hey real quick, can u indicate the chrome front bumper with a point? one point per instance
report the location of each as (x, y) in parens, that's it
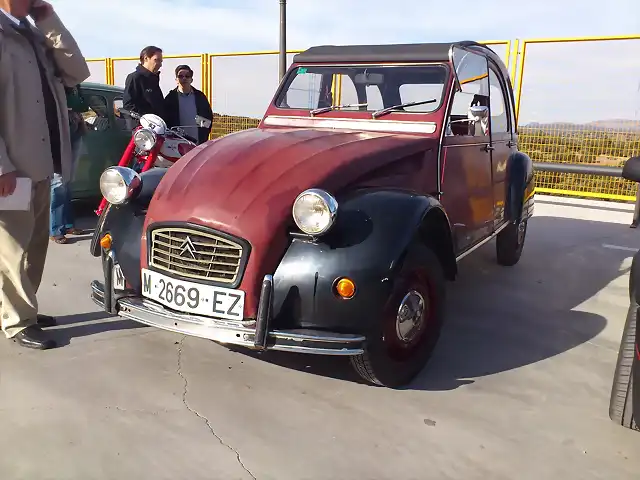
(153, 314)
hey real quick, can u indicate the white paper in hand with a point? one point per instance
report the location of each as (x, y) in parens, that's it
(21, 197)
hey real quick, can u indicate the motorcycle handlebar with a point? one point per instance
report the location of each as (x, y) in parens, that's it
(129, 113)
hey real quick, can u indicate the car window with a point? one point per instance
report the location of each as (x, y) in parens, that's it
(499, 119)
(473, 77)
(379, 86)
(303, 92)
(96, 115)
(120, 122)
(347, 93)
(97, 105)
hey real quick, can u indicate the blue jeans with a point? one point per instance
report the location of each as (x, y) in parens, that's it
(61, 214)
(61, 218)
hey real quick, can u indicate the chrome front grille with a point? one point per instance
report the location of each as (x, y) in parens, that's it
(194, 254)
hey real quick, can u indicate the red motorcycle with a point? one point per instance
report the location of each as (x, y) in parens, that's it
(152, 144)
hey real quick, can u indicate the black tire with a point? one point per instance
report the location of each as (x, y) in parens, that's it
(388, 360)
(621, 400)
(510, 242)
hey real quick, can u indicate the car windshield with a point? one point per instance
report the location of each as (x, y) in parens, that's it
(368, 88)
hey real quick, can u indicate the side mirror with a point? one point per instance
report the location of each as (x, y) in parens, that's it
(631, 169)
(369, 79)
(479, 112)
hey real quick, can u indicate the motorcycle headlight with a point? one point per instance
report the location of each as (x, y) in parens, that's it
(314, 211)
(119, 184)
(144, 139)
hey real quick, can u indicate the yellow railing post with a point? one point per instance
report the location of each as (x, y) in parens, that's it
(205, 74)
(514, 59)
(210, 61)
(520, 69)
(112, 75)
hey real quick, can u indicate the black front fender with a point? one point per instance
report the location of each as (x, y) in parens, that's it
(367, 244)
(520, 186)
(125, 223)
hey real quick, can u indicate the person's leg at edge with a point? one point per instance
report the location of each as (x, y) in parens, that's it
(57, 227)
(36, 253)
(69, 216)
(22, 257)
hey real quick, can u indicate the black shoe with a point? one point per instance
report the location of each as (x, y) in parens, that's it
(34, 337)
(46, 321)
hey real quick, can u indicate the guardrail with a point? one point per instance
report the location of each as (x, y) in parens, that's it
(598, 170)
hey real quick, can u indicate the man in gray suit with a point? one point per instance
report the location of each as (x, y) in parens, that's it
(36, 63)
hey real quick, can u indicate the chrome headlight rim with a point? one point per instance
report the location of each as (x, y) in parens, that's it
(150, 133)
(330, 203)
(129, 181)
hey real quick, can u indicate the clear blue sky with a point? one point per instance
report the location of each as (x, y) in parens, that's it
(582, 76)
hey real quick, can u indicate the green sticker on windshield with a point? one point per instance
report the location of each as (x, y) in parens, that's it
(301, 70)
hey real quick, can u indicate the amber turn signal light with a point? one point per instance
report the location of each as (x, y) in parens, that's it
(345, 288)
(105, 242)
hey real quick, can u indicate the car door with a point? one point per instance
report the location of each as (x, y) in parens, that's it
(103, 143)
(467, 179)
(501, 139)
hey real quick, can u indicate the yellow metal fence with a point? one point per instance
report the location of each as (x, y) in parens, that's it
(589, 89)
(577, 100)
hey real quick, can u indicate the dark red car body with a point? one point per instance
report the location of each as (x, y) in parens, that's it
(397, 176)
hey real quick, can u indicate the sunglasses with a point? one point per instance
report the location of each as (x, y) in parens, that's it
(185, 76)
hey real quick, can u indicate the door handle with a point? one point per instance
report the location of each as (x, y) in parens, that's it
(488, 148)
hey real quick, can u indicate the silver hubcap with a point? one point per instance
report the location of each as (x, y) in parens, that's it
(410, 316)
(521, 229)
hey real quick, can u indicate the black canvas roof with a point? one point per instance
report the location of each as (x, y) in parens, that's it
(406, 52)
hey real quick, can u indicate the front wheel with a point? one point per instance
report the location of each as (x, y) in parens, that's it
(510, 242)
(408, 330)
(621, 400)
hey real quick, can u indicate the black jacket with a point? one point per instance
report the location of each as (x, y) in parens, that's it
(142, 94)
(203, 108)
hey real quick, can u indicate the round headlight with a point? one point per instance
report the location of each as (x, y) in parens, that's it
(144, 139)
(314, 211)
(118, 184)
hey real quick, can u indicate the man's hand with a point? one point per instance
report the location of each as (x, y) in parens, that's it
(8, 184)
(40, 10)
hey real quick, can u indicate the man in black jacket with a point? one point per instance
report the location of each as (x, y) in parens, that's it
(142, 93)
(184, 102)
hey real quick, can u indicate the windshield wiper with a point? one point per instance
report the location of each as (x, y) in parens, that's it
(384, 111)
(335, 107)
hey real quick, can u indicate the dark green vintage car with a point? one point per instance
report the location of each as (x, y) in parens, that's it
(105, 141)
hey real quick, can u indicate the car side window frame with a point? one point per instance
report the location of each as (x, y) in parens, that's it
(459, 89)
(506, 97)
(505, 107)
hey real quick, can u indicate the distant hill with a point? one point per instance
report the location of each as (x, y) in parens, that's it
(616, 125)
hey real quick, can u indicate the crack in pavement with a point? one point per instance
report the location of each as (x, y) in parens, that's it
(202, 417)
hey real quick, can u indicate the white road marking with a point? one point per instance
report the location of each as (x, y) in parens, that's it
(618, 247)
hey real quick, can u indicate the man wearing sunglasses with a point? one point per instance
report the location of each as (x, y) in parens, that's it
(184, 103)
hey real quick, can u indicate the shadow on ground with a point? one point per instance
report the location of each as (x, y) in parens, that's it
(87, 324)
(503, 318)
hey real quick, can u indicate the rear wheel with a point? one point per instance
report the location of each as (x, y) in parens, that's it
(410, 324)
(621, 401)
(510, 242)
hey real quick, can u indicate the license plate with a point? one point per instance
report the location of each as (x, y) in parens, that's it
(193, 298)
(118, 278)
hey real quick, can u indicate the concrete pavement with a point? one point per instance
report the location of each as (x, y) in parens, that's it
(518, 387)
